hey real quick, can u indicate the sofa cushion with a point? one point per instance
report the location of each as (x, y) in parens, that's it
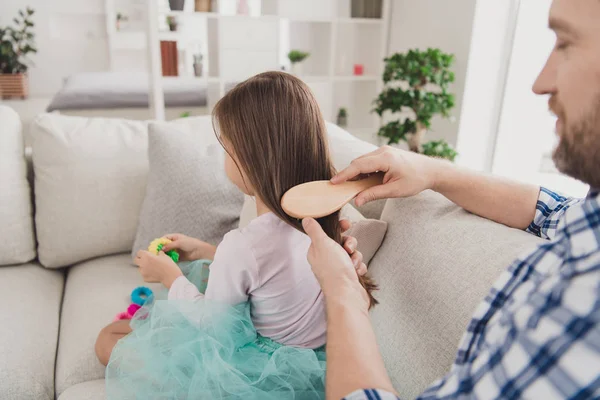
(90, 181)
(30, 297)
(91, 390)
(95, 291)
(90, 176)
(16, 218)
(435, 266)
(188, 191)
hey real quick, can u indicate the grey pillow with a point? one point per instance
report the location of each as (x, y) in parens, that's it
(188, 191)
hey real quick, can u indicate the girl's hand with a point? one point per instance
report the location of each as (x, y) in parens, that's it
(189, 248)
(157, 268)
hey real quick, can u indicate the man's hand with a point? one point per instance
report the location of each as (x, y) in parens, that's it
(350, 245)
(406, 173)
(331, 264)
(157, 268)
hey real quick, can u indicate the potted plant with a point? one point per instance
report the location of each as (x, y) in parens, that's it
(296, 57)
(197, 64)
(120, 17)
(342, 117)
(172, 22)
(417, 82)
(15, 44)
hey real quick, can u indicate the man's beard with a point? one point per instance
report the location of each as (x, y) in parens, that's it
(578, 151)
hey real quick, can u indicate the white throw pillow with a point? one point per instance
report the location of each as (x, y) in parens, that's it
(90, 182)
(90, 179)
(188, 191)
(16, 221)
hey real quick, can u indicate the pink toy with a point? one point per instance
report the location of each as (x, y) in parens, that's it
(132, 309)
(122, 315)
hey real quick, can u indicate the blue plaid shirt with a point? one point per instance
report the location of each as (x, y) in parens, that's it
(537, 334)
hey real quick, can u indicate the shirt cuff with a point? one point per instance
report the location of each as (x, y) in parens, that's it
(368, 394)
(180, 289)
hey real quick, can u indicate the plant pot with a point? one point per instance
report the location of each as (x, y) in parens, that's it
(342, 122)
(202, 5)
(197, 69)
(173, 27)
(416, 139)
(14, 85)
(297, 68)
(176, 5)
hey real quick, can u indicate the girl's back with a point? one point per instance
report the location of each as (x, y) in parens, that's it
(286, 302)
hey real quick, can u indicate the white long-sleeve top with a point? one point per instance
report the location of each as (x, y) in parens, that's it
(265, 263)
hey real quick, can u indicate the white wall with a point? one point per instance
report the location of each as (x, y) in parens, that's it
(436, 23)
(70, 36)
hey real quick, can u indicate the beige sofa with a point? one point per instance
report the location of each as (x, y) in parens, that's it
(434, 266)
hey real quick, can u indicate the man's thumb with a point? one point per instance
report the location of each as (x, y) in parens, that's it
(372, 194)
(313, 229)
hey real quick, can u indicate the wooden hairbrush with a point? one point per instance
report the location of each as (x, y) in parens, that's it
(320, 198)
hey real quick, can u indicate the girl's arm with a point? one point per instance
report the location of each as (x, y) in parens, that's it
(233, 274)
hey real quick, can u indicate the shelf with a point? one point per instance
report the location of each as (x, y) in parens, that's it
(356, 78)
(210, 79)
(128, 40)
(370, 21)
(194, 14)
(172, 36)
(313, 78)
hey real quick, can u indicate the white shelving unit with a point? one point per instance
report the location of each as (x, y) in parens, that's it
(235, 47)
(126, 46)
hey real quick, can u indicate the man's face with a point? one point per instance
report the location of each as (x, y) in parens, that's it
(572, 79)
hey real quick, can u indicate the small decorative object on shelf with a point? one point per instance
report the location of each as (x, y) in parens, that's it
(359, 69)
(176, 5)
(202, 6)
(120, 18)
(422, 70)
(242, 7)
(15, 44)
(342, 118)
(366, 8)
(198, 65)
(172, 22)
(296, 57)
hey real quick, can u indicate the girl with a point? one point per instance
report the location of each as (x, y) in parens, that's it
(259, 330)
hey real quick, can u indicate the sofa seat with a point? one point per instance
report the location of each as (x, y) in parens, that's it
(92, 390)
(95, 291)
(31, 296)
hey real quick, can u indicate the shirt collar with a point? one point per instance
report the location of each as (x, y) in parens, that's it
(581, 226)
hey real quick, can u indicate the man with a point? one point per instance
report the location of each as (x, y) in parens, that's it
(537, 334)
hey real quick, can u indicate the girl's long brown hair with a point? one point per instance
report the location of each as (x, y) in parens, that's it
(279, 137)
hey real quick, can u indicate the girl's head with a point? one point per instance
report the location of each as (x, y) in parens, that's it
(275, 138)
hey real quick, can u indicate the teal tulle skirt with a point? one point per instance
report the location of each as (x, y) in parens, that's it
(208, 350)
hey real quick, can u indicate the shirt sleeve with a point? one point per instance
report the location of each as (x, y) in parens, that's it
(371, 394)
(549, 210)
(233, 274)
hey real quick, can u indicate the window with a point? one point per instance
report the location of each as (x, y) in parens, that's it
(526, 133)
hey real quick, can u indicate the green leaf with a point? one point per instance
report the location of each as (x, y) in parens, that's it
(439, 149)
